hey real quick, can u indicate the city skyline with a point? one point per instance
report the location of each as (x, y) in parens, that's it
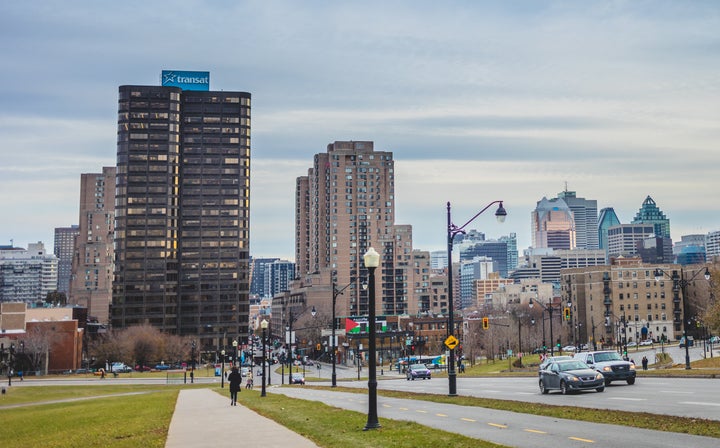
(477, 101)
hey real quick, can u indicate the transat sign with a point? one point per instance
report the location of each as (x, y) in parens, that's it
(186, 80)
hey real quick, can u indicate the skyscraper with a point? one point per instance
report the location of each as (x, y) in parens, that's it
(585, 217)
(344, 205)
(91, 284)
(649, 213)
(553, 226)
(607, 219)
(63, 249)
(182, 209)
(27, 275)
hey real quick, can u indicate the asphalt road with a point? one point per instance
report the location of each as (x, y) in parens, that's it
(506, 428)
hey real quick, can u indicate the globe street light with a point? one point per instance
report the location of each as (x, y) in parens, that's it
(235, 346)
(372, 261)
(222, 369)
(263, 325)
(452, 231)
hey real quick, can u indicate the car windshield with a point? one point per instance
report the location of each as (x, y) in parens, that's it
(418, 367)
(571, 365)
(607, 356)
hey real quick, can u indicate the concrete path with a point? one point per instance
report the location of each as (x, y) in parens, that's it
(205, 418)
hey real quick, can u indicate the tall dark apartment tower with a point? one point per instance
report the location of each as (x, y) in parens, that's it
(183, 212)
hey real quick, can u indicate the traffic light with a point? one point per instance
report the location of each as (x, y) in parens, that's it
(567, 313)
(486, 323)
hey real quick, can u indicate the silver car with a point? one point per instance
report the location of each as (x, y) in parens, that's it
(570, 376)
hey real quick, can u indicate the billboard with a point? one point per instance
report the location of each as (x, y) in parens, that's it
(185, 80)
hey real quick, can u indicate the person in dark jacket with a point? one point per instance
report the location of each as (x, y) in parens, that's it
(234, 380)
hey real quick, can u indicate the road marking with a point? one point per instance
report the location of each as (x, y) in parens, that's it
(386, 406)
(525, 393)
(441, 415)
(628, 399)
(581, 440)
(468, 420)
(404, 409)
(700, 403)
(676, 392)
(497, 425)
(421, 411)
(536, 431)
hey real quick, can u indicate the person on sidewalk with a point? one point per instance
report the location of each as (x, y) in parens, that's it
(249, 382)
(234, 380)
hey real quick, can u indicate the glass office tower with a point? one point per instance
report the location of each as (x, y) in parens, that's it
(182, 213)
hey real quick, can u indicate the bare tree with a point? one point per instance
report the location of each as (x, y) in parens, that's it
(37, 343)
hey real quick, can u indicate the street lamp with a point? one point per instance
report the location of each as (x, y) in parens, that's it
(192, 361)
(680, 282)
(288, 328)
(372, 261)
(222, 369)
(452, 231)
(549, 309)
(335, 293)
(263, 325)
(235, 346)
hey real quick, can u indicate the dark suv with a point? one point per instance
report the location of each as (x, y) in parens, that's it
(610, 364)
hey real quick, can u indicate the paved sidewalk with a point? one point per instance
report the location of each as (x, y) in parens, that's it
(205, 418)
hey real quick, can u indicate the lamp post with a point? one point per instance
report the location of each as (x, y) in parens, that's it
(288, 327)
(452, 231)
(235, 346)
(680, 283)
(222, 369)
(192, 361)
(372, 261)
(549, 309)
(263, 325)
(335, 293)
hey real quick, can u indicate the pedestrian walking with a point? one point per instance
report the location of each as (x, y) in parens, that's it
(644, 362)
(234, 380)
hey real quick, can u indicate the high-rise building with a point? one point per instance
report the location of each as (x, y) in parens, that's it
(479, 268)
(182, 209)
(258, 267)
(607, 219)
(712, 244)
(649, 213)
(623, 239)
(585, 217)
(345, 205)
(438, 260)
(553, 225)
(92, 267)
(278, 276)
(27, 275)
(502, 251)
(63, 249)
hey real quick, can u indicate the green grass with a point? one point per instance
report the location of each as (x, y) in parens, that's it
(115, 421)
(332, 427)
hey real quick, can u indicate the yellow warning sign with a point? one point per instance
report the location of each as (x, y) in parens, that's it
(451, 342)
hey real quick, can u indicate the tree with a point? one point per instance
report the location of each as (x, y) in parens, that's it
(37, 343)
(56, 298)
(711, 317)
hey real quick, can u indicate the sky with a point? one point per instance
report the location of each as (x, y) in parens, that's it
(478, 101)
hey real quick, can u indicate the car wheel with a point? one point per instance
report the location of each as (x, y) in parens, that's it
(631, 381)
(600, 389)
(607, 382)
(407, 378)
(564, 388)
(543, 389)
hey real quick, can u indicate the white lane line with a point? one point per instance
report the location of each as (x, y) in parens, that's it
(700, 403)
(627, 399)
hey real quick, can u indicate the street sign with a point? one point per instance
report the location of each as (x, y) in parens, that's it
(451, 342)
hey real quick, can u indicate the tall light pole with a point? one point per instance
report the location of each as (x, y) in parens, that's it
(222, 369)
(235, 346)
(452, 231)
(288, 327)
(335, 293)
(549, 309)
(263, 325)
(372, 261)
(680, 283)
(192, 361)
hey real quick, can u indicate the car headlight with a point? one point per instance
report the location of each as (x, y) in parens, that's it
(607, 369)
(632, 366)
(599, 376)
(573, 378)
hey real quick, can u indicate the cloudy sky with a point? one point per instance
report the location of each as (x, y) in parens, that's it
(477, 100)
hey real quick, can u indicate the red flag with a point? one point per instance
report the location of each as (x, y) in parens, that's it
(350, 325)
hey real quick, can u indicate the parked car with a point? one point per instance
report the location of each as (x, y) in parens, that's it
(546, 362)
(569, 348)
(610, 364)
(691, 341)
(119, 367)
(570, 376)
(139, 368)
(631, 344)
(418, 371)
(646, 342)
(297, 378)
(714, 340)
(162, 366)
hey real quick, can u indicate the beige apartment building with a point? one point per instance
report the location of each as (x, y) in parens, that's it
(92, 264)
(624, 302)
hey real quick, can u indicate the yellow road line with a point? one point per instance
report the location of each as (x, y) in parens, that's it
(581, 440)
(468, 419)
(536, 431)
(497, 425)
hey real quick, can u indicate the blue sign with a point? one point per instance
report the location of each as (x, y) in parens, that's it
(186, 80)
